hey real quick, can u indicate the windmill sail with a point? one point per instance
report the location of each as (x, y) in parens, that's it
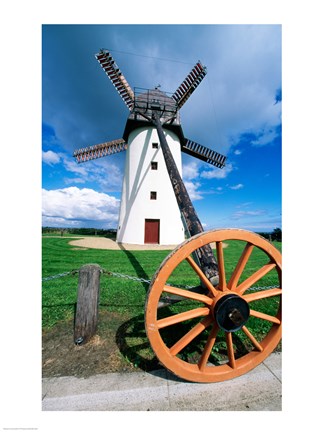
(190, 83)
(117, 78)
(205, 154)
(100, 150)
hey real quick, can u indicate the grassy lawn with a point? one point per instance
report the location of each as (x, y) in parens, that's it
(117, 294)
(120, 343)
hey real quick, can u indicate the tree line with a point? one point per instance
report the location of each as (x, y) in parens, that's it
(111, 233)
(275, 235)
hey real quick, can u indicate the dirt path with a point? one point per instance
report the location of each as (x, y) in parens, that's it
(105, 243)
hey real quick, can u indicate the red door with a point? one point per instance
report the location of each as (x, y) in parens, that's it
(152, 231)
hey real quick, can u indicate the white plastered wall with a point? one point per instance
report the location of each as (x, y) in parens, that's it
(140, 180)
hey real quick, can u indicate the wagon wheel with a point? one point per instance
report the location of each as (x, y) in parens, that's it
(228, 329)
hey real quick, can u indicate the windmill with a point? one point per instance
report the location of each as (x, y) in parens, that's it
(153, 140)
(150, 212)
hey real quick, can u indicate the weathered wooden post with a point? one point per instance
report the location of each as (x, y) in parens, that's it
(86, 317)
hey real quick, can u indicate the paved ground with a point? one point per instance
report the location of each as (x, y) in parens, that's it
(258, 390)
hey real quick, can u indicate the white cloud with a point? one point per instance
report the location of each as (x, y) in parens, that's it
(71, 166)
(71, 205)
(242, 214)
(103, 172)
(50, 157)
(237, 152)
(239, 92)
(245, 204)
(108, 176)
(190, 170)
(217, 173)
(192, 189)
(236, 187)
(74, 180)
(265, 137)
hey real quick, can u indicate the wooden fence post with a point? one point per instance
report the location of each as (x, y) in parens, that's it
(86, 317)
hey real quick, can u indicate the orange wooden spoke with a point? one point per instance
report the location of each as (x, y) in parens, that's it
(240, 266)
(262, 294)
(264, 316)
(221, 266)
(208, 312)
(208, 347)
(202, 275)
(187, 338)
(230, 350)
(174, 319)
(187, 294)
(252, 339)
(255, 277)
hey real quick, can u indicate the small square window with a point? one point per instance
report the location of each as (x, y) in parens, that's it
(154, 165)
(153, 195)
(155, 145)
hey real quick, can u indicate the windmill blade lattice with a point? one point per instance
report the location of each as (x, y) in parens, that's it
(203, 153)
(191, 82)
(109, 65)
(100, 150)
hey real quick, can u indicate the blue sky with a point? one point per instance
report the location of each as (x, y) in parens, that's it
(236, 111)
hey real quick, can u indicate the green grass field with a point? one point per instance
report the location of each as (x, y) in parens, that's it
(60, 294)
(122, 301)
(118, 294)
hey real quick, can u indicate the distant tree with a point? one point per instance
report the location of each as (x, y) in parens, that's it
(276, 234)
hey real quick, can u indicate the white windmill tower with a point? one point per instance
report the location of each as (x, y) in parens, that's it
(149, 210)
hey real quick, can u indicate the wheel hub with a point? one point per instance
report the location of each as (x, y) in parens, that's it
(231, 312)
